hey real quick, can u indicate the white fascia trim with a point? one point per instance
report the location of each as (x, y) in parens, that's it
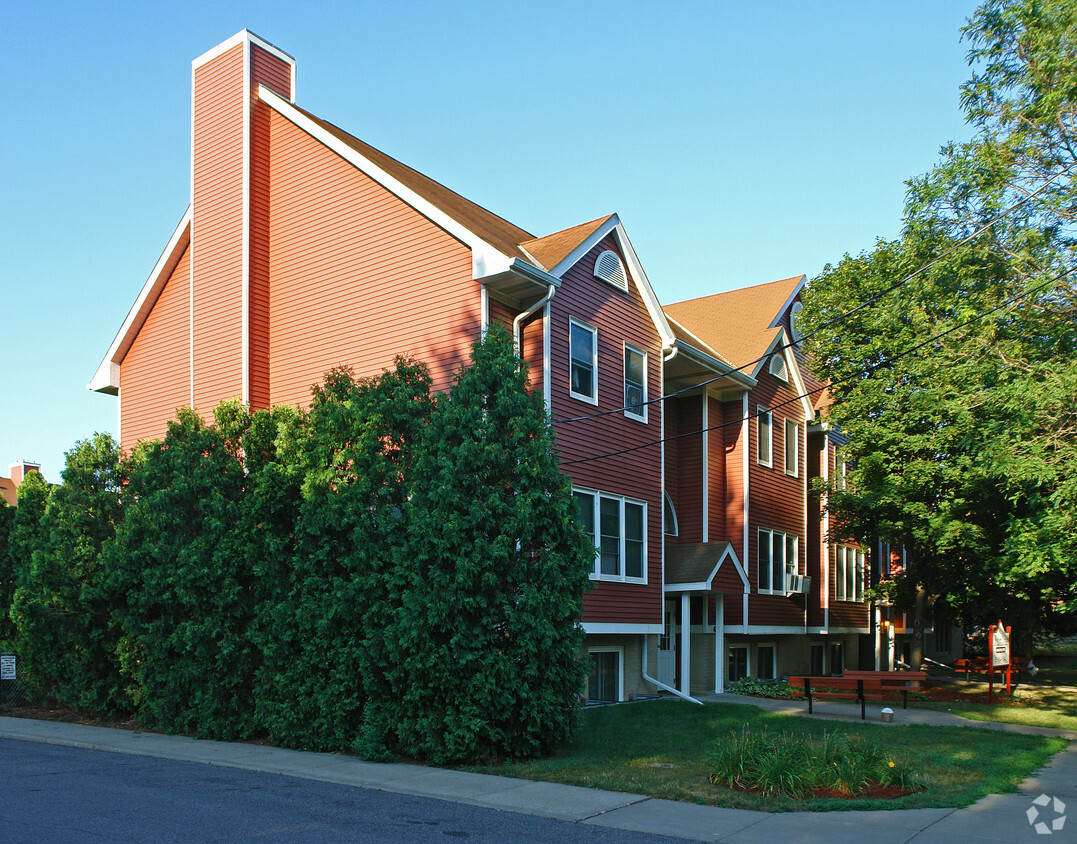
(107, 375)
(245, 259)
(713, 364)
(248, 37)
(797, 381)
(635, 269)
(594, 628)
(788, 302)
(486, 260)
(769, 629)
(834, 631)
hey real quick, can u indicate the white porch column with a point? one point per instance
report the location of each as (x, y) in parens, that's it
(719, 643)
(686, 634)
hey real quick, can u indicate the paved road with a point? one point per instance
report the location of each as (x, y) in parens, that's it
(64, 794)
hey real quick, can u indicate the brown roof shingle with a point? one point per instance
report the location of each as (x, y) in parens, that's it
(552, 249)
(737, 323)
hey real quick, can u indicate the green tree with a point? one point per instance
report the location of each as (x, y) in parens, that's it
(486, 658)
(26, 535)
(67, 636)
(958, 389)
(180, 590)
(7, 574)
(334, 499)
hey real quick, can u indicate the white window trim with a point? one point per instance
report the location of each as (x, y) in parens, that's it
(796, 447)
(596, 571)
(794, 329)
(760, 412)
(639, 417)
(611, 649)
(785, 562)
(594, 362)
(843, 553)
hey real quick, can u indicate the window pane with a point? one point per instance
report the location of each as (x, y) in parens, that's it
(764, 444)
(777, 562)
(582, 352)
(610, 525)
(602, 684)
(790, 554)
(791, 457)
(635, 391)
(764, 559)
(850, 575)
(764, 662)
(633, 540)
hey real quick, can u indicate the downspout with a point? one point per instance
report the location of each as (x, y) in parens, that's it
(651, 680)
(516, 323)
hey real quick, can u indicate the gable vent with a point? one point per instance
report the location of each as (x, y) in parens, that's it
(609, 268)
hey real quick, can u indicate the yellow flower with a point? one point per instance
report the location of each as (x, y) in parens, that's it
(891, 764)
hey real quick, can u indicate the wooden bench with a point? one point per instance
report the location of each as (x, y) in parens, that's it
(858, 685)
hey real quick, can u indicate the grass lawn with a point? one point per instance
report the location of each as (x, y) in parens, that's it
(1037, 706)
(659, 748)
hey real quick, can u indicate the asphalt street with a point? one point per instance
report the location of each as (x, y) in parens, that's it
(50, 793)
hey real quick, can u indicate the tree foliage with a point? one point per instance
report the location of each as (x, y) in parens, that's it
(180, 590)
(486, 646)
(67, 635)
(958, 389)
(346, 472)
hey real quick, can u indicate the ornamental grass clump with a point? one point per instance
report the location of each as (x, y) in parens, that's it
(796, 766)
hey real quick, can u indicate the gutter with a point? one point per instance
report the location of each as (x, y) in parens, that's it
(517, 322)
(677, 692)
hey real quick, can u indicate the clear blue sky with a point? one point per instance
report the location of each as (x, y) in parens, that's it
(739, 142)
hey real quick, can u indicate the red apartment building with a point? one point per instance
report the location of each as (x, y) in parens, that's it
(304, 248)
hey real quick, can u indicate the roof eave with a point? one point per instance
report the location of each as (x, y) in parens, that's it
(106, 378)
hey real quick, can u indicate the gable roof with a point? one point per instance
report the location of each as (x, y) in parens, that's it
(551, 250)
(741, 325)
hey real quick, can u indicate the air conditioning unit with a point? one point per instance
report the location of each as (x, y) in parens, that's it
(797, 584)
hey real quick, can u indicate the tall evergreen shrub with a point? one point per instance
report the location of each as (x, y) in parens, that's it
(485, 658)
(350, 460)
(67, 637)
(181, 591)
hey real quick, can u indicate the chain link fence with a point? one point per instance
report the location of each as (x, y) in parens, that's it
(14, 690)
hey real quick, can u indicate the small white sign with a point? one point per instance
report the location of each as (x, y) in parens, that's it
(7, 666)
(1000, 647)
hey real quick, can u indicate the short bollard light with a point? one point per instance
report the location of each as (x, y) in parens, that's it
(887, 715)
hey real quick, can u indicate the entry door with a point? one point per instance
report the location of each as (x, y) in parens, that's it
(667, 647)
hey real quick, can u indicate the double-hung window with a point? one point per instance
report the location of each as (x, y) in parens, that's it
(777, 559)
(635, 383)
(849, 574)
(583, 361)
(617, 527)
(764, 436)
(792, 450)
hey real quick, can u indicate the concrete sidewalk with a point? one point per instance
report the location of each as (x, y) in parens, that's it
(997, 818)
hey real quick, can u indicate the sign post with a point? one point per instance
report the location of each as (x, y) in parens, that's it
(999, 638)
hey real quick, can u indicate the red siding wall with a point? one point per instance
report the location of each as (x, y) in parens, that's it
(619, 316)
(688, 458)
(217, 229)
(716, 477)
(734, 444)
(155, 372)
(274, 73)
(356, 276)
(776, 500)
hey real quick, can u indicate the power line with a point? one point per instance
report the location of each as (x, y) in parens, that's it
(869, 301)
(860, 373)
